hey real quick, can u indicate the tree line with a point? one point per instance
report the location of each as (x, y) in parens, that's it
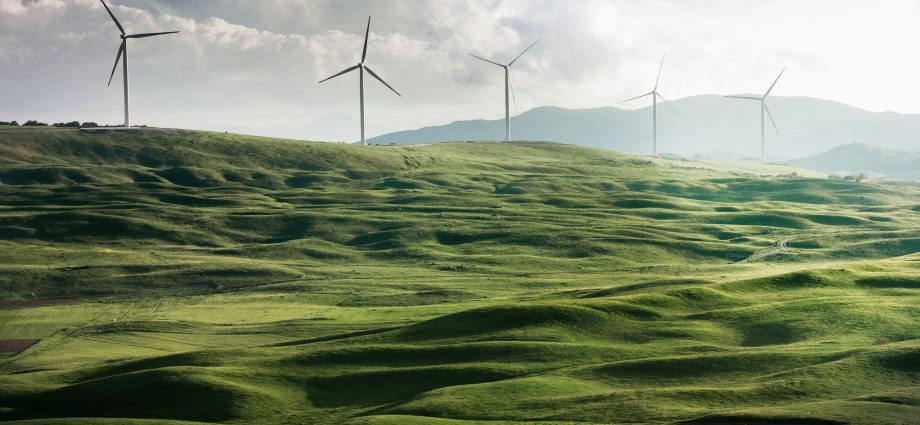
(34, 123)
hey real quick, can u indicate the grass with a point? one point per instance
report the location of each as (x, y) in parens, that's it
(223, 278)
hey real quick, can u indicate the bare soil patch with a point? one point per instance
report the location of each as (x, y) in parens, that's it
(17, 345)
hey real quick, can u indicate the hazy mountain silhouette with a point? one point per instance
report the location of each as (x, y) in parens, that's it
(858, 158)
(713, 124)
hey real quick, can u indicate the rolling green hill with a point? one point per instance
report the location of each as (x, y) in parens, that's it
(155, 276)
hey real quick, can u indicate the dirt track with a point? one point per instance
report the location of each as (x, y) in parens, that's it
(783, 247)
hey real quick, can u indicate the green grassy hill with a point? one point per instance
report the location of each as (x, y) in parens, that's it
(206, 277)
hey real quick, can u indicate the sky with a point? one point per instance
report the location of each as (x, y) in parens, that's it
(253, 66)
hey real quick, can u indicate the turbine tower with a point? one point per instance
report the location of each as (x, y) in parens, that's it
(655, 96)
(509, 87)
(361, 67)
(123, 52)
(764, 108)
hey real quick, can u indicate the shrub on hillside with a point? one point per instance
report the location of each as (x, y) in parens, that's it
(33, 123)
(72, 124)
(11, 123)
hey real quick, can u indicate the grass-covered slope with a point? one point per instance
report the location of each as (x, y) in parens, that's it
(204, 277)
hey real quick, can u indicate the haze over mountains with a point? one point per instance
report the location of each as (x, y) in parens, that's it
(859, 158)
(713, 124)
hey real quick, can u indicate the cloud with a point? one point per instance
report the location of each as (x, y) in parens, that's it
(259, 62)
(12, 7)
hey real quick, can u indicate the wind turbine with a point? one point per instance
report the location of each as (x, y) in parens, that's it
(362, 67)
(123, 51)
(764, 108)
(508, 87)
(655, 95)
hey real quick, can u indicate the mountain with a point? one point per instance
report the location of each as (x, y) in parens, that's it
(712, 123)
(857, 158)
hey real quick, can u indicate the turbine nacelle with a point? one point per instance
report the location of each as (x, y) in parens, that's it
(655, 93)
(362, 67)
(508, 86)
(122, 56)
(764, 111)
(655, 96)
(361, 64)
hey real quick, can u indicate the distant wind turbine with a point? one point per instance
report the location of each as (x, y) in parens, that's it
(655, 95)
(123, 52)
(764, 108)
(508, 87)
(361, 67)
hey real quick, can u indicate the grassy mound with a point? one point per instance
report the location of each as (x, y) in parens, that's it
(179, 393)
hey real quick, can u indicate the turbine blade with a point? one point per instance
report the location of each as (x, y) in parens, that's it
(121, 50)
(525, 51)
(343, 72)
(366, 35)
(637, 97)
(511, 83)
(766, 108)
(113, 17)
(774, 83)
(373, 74)
(484, 59)
(670, 106)
(659, 71)
(150, 34)
(746, 97)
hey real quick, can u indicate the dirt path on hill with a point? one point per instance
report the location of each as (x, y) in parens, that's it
(783, 247)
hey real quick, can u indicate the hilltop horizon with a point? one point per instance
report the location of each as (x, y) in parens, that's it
(807, 126)
(630, 129)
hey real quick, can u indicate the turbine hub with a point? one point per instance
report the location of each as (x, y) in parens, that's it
(122, 36)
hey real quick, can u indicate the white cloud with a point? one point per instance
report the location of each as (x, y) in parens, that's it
(239, 60)
(12, 7)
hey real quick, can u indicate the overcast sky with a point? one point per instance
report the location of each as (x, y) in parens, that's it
(244, 63)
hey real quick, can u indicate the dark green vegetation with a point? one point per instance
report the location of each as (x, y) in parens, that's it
(220, 278)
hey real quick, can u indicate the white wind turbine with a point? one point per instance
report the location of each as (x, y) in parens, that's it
(764, 108)
(655, 95)
(509, 87)
(123, 52)
(362, 67)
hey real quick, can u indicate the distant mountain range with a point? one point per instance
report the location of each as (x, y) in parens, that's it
(713, 124)
(858, 158)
